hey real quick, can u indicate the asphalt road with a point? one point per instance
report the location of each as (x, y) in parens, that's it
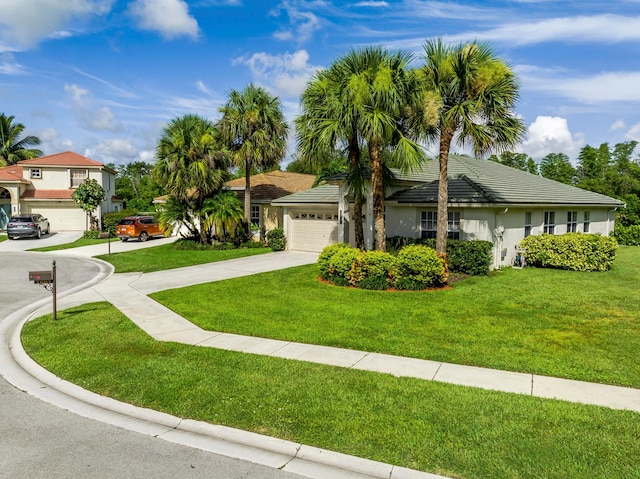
(38, 440)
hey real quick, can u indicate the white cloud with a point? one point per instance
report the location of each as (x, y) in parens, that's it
(605, 28)
(8, 65)
(117, 149)
(202, 87)
(551, 134)
(303, 24)
(96, 119)
(373, 4)
(24, 23)
(617, 125)
(286, 75)
(51, 142)
(633, 133)
(170, 18)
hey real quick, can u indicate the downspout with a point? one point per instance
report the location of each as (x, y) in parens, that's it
(498, 232)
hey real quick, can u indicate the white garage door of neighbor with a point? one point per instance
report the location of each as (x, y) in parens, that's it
(63, 218)
(312, 231)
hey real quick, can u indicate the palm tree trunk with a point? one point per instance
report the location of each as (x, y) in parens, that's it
(377, 193)
(443, 192)
(354, 157)
(247, 196)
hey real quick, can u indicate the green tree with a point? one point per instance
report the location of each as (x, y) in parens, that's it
(521, 161)
(136, 185)
(192, 166)
(593, 164)
(329, 123)
(12, 148)
(255, 131)
(226, 212)
(88, 196)
(387, 101)
(556, 166)
(475, 93)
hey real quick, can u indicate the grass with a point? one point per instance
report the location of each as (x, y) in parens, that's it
(160, 258)
(583, 326)
(446, 429)
(74, 244)
(3, 237)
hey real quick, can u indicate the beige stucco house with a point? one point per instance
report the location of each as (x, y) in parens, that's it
(44, 185)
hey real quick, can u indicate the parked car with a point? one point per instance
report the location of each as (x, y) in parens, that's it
(33, 225)
(141, 227)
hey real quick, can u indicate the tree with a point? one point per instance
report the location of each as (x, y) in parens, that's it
(254, 129)
(387, 102)
(13, 149)
(136, 185)
(521, 161)
(88, 196)
(475, 93)
(329, 123)
(556, 166)
(192, 166)
(226, 212)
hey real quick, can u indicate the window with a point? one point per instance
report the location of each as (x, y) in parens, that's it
(35, 173)
(527, 224)
(586, 223)
(255, 215)
(429, 224)
(77, 177)
(550, 222)
(572, 221)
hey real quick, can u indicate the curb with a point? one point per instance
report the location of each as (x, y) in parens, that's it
(297, 458)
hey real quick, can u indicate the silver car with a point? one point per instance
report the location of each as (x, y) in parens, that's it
(33, 225)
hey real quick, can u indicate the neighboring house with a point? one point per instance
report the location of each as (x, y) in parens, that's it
(44, 185)
(266, 187)
(487, 201)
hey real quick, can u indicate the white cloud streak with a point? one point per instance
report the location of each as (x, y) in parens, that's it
(170, 18)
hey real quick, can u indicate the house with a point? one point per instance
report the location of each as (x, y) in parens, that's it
(487, 201)
(266, 187)
(44, 185)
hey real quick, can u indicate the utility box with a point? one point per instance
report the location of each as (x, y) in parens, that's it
(41, 277)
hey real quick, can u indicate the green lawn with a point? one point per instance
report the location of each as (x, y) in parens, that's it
(164, 257)
(3, 237)
(446, 429)
(574, 325)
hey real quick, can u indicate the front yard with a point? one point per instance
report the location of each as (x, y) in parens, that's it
(574, 325)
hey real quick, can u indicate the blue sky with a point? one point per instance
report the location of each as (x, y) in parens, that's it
(102, 77)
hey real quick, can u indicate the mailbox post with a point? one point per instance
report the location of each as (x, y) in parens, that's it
(107, 236)
(48, 280)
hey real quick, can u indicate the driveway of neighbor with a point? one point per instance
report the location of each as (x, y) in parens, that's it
(52, 239)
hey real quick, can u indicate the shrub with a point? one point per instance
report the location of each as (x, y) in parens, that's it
(340, 264)
(95, 234)
(420, 267)
(627, 235)
(276, 239)
(373, 268)
(325, 257)
(252, 244)
(572, 251)
(187, 244)
(396, 243)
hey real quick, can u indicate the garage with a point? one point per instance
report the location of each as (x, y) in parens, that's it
(312, 230)
(61, 217)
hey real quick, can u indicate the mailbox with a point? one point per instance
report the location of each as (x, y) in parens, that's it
(41, 277)
(104, 235)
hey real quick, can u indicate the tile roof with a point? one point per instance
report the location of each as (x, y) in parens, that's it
(31, 194)
(273, 184)
(326, 194)
(12, 173)
(67, 158)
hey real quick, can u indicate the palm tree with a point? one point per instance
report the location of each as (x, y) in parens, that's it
(255, 131)
(329, 122)
(476, 92)
(387, 99)
(192, 165)
(226, 212)
(12, 149)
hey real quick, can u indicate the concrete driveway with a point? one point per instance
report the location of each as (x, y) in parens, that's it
(51, 239)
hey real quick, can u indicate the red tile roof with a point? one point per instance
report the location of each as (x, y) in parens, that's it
(31, 194)
(12, 173)
(67, 158)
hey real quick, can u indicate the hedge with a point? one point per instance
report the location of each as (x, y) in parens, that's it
(627, 235)
(571, 251)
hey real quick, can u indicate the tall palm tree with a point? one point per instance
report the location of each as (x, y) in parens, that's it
(330, 122)
(387, 98)
(476, 92)
(13, 149)
(254, 129)
(192, 165)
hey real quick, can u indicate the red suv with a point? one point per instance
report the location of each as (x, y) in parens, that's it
(141, 227)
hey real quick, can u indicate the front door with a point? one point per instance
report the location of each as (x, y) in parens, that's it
(5, 208)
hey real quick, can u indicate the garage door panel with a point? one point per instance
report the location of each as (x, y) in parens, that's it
(313, 231)
(62, 218)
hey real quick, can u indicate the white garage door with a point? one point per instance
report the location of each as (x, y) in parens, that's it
(62, 218)
(312, 231)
